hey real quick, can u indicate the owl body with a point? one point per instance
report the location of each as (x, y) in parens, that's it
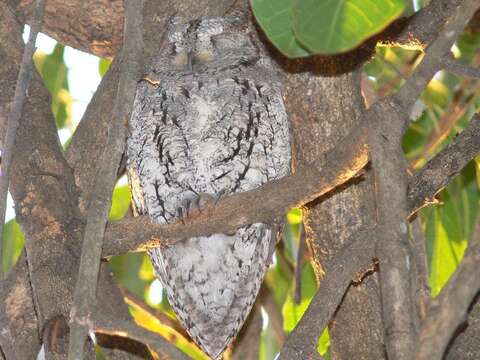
(210, 120)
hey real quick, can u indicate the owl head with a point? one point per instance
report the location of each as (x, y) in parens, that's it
(207, 45)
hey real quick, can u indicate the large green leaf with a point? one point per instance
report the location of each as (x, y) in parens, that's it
(334, 26)
(12, 245)
(274, 17)
(126, 269)
(54, 73)
(300, 28)
(449, 226)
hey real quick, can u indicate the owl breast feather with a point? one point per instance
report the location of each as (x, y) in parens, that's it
(216, 134)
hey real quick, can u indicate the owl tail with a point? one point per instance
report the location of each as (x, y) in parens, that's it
(212, 282)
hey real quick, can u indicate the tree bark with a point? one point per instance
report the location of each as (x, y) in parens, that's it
(331, 107)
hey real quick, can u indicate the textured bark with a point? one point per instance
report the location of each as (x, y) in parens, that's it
(332, 106)
(466, 346)
(45, 201)
(247, 345)
(95, 26)
(19, 328)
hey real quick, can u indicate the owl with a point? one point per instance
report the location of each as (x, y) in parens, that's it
(209, 122)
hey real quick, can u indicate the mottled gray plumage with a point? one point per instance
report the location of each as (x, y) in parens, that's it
(214, 124)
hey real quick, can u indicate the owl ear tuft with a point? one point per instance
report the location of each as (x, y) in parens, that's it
(176, 22)
(175, 19)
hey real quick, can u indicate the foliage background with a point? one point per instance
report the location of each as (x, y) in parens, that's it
(449, 102)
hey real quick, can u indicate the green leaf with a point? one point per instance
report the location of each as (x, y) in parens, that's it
(324, 344)
(54, 73)
(274, 17)
(449, 226)
(477, 168)
(294, 216)
(334, 26)
(292, 232)
(103, 66)
(269, 346)
(292, 313)
(120, 203)
(13, 241)
(467, 45)
(278, 281)
(126, 269)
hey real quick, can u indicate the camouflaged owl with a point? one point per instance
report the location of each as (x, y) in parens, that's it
(209, 122)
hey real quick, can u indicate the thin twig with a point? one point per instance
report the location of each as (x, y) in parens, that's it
(23, 82)
(432, 61)
(297, 282)
(422, 291)
(449, 309)
(438, 172)
(275, 316)
(132, 300)
(85, 289)
(422, 28)
(456, 67)
(108, 324)
(462, 101)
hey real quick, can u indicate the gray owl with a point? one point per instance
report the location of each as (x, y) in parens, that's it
(209, 122)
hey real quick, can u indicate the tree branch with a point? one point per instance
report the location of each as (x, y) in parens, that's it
(422, 28)
(19, 323)
(23, 82)
(450, 308)
(97, 28)
(438, 172)
(108, 324)
(450, 64)
(98, 25)
(90, 137)
(422, 288)
(432, 61)
(465, 343)
(392, 242)
(85, 290)
(274, 314)
(263, 204)
(132, 300)
(42, 187)
(247, 343)
(340, 270)
(393, 247)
